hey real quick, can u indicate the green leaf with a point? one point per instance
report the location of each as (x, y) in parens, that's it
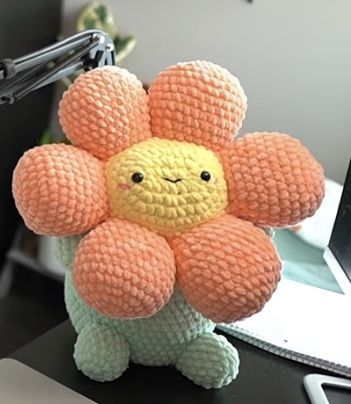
(89, 22)
(124, 46)
(102, 13)
(46, 138)
(97, 16)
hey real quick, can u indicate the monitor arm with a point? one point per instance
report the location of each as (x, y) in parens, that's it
(85, 50)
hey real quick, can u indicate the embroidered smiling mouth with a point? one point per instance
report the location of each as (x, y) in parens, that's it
(174, 181)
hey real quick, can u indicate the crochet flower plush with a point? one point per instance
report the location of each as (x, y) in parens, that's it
(159, 213)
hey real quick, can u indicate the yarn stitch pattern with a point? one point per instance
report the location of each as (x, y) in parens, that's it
(159, 211)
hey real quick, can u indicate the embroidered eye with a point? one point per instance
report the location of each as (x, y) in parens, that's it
(205, 175)
(137, 177)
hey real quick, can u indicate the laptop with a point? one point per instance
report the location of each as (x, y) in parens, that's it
(338, 253)
(21, 384)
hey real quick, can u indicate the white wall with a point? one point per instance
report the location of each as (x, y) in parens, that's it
(293, 58)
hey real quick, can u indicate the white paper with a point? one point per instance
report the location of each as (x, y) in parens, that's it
(305, 320)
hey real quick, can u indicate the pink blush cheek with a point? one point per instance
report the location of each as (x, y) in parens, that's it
(124, 187)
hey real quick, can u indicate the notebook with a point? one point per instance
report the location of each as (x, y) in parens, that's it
(302, 323)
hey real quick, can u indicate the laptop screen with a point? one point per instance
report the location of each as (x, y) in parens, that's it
(340, 241)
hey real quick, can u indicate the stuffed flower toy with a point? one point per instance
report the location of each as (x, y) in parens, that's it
(159, 213)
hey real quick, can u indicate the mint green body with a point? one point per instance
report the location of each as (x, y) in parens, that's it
(177, 335)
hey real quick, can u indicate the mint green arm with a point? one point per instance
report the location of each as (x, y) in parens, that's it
(66, 248)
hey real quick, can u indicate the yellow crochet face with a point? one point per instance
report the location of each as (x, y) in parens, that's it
(166, 185)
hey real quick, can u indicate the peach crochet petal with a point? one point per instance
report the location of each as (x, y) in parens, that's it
(197, 102)
(124, 270)
(226, 268)
(272, 179)
(59, 190)
(105, 111)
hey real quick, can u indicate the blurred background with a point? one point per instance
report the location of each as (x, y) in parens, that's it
(293, 61)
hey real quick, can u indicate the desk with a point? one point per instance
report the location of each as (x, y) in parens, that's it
(263, 378)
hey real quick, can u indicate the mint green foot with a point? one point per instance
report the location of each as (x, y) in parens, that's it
(101, 353)
(210, 361)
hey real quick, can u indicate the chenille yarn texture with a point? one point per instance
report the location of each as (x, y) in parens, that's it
(158, 212)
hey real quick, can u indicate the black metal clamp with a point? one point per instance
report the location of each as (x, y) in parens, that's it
(85, 50)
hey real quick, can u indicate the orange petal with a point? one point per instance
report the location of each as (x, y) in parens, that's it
(60, 190)
(105, 111)
(197, 102)
(272, 179)
(124, 270)
(226, 268)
